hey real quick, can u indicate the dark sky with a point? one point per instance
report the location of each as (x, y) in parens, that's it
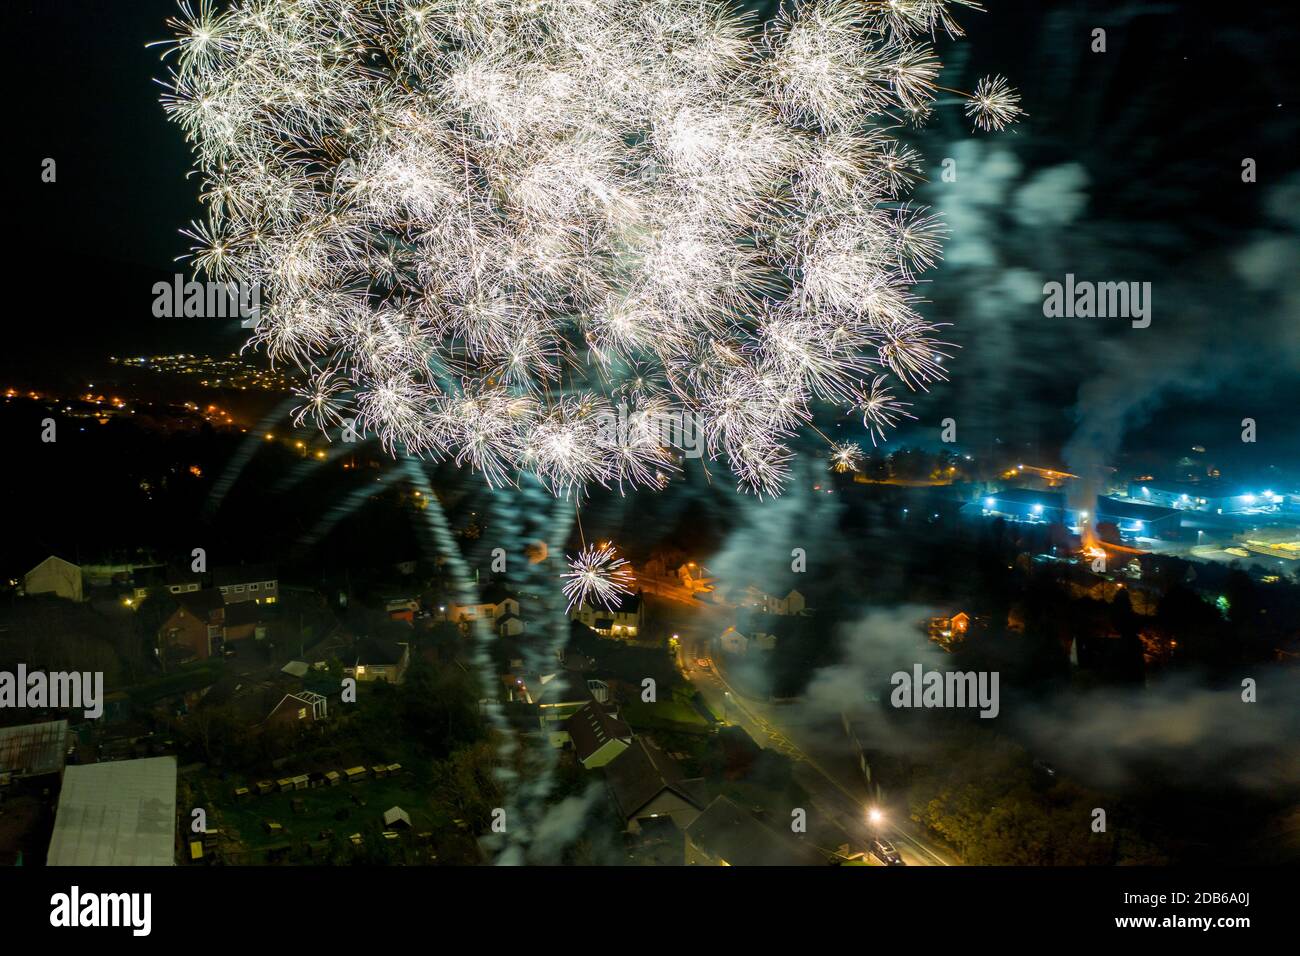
(1158, 126)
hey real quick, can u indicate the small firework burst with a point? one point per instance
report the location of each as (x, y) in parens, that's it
(846, 457)
(880, 410)
(995, 104)
(598, 576)
(324, 400)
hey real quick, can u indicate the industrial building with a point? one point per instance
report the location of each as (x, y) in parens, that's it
(1051, 507)
(1142, 520)
(1214, 498)
(1027, 504)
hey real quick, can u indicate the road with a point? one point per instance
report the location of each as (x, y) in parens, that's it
(672, 589)
(838, 793)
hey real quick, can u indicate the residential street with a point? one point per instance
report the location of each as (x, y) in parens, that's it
(837, 792)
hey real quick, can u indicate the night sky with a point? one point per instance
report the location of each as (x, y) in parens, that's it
(1126, 168)
(1147, 138)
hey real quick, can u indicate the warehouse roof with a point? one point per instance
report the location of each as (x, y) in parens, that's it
(121, 813)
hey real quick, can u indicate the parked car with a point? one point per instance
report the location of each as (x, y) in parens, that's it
(884, 851)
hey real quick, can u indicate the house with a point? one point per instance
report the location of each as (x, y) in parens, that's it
(598, 734)
(561, 696)
(556, 697)
(949, 631)
(117, 813)
(257, 583)
(494, 602)
(197, 625)
(157, 578)
(735, 641)
(204, 624)
(726, 834)
(183, 582)
(508, 624)
(298, 710)
(55, 576)
(647, 784)
(380, 659)
(756, 629)
(755, 597)
(624, 621)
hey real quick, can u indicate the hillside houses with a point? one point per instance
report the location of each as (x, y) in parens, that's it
(203, 625)
(625, 621)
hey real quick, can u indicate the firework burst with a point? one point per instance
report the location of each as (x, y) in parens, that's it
(846, 458)
(995, 105)
(493, 220)
(880, 409)
(597, 575)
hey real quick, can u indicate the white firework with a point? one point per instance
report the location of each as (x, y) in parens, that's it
(324, 400)
(880, 409)
(994, 105)
(599, 576)
(493, 221)
(846, 458)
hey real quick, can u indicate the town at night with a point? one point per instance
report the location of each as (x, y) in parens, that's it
(584, 436)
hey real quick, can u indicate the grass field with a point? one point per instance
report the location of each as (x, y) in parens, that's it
(676, 713)
(363, 802)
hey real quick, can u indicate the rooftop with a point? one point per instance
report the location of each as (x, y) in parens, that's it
(641, 773)
(121, 813)
(732, 834)
(243, 574)
(594, 726)
(33, 749)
